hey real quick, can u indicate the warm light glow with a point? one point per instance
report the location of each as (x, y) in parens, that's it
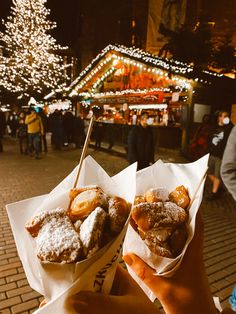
(29, 62)
(148, 106)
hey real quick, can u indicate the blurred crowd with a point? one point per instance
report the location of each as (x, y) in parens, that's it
(64, 127)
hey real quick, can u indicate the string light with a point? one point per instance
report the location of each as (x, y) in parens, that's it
(29, 61)
(139, 58)
(127, 92)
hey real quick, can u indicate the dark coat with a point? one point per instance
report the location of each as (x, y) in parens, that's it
(217, 140)
(141, 146)
(2, 123)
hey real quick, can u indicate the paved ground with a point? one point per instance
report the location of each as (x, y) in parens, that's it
(23, 177)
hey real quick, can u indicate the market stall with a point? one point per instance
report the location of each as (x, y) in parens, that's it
(122, 82)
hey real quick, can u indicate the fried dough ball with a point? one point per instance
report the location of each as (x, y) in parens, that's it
(139, 199)
(74, 192)
(153, 215)
(85, 202)
(118, 211)
(156, 195)
(180, 196)
(156, 223)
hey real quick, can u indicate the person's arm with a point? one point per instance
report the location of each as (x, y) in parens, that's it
(188, 290)
(228, 166)
(30, 118)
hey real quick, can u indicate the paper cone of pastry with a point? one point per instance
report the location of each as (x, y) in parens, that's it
(161, 224)
(73, 235)
(67, 246)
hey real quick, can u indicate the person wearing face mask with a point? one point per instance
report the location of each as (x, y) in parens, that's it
(217, 141)
(141, 143)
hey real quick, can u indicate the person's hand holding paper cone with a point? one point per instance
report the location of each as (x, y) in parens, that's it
(187, 291)
(163, 216)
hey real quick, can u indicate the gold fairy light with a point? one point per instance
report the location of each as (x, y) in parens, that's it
(29, 60)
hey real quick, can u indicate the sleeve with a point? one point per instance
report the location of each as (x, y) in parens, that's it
(228, 167)
(41, 126)
(132, 146)
(27, 119)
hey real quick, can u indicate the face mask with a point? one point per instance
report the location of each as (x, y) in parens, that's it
(226, 120)
(150, 121)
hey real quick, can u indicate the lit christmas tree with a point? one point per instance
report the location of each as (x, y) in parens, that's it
(29, 63)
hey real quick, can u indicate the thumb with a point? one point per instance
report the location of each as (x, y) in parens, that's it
(141, 269)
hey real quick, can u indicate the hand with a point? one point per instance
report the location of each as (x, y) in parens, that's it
(187, 291)
(126, 297)
(42, 303)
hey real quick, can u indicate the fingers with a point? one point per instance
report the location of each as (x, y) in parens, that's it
(87, 302)
(44, 302)
(126, 297)
(141, 269)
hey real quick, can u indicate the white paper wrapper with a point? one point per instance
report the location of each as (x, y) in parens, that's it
(56, 281)
(169, 176)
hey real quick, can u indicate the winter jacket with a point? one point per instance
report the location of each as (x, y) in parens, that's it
(34, 123)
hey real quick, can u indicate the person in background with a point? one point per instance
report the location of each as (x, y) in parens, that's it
(12, 122)
(2, 128)
(78, 131)
(228, 166)
(22, 134)
(98, 133)
(199, 143)
(218, 137)
(44, 119)
(228, 175)
(34, 130)
(57, 129)
(141, 143)
(68, 124)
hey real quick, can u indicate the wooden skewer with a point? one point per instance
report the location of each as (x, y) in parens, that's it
(197, 189)
(86, 143)
(85, 147)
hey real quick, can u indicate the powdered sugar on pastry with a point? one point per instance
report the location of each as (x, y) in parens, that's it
(157, 195)
(153, 215)
(34, 225)
(91, 231)
(57, 240)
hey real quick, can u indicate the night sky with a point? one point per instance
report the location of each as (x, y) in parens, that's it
(64, 13)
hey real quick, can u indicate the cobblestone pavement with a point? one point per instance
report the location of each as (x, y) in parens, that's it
(23, 177)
